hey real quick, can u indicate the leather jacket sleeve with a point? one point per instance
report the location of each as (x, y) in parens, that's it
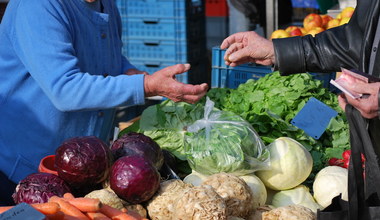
(332, 49)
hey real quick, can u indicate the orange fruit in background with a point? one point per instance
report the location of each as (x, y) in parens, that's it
(311, 21)
(280, 33)
(333, 23)
(315, 31)
(325, 20)
(344, 20)
(347, 12)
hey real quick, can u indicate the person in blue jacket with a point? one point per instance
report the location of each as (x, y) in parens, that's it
(62, 74)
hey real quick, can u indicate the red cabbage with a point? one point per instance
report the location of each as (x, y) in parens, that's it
(83, 161)
(134, 179)
(39, 187)
(134, 143)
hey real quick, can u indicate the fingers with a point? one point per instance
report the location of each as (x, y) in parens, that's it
(175, 69)
(342, 101)
(234, 38)
(232, 49)
(188, 93)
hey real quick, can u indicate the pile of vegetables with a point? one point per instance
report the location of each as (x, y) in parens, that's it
(239, 159)
(271, 102)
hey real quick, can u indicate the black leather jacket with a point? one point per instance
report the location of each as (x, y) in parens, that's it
(347, 46)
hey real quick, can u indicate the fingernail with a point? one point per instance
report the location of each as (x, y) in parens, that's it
(187, 65)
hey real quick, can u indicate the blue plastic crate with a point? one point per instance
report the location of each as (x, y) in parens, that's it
(160, 8)
(162, 28)
(222, 77)
(154, 28)
(163, 50)
(175, 51)
(219, 62)
(154, 66)
(233, 77)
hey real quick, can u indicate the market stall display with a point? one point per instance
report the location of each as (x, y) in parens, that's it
(134, 183)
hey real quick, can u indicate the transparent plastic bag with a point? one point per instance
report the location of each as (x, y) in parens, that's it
(224, 142)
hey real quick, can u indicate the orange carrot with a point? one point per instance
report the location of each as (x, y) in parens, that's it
(115, 214)
(5, 208)
(85, 204)
(47, 208)
(68, 196)
(56, 216)
(68, 209)
(96, 216)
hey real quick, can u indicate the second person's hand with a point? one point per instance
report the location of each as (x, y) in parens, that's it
(244, 47)
(164, 83)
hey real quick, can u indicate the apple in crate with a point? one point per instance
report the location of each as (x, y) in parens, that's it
(311, 21)
(280, 33)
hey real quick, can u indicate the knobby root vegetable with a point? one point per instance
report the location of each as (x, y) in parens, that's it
(294, 212)
(235, 192)
(161, 206)
(200, 203)
(106, 196)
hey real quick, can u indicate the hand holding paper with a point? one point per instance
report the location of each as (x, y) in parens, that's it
(366, 87)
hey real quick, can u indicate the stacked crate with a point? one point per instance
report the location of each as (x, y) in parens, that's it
(161, 33)
(223, 76)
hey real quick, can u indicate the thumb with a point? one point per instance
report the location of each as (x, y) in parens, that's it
(176, 69)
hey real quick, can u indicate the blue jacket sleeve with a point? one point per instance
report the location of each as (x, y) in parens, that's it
(43, 41)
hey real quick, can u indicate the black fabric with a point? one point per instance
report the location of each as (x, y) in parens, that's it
(7, 188)
(363, 181)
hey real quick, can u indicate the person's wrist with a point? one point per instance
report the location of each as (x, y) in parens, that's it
(378, 104)
(147, 86)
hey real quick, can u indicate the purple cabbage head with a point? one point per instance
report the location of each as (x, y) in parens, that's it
(134, 179)
(134, 143)
(39, 187)
(83, 161)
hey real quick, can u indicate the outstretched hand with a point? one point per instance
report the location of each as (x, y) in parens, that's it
(244, 47)
(164, 83)
(369, 104)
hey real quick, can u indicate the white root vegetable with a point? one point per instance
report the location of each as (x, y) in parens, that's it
(235, 192)
(291, 212)
(200, 203)
(161, 206)
(107, 197)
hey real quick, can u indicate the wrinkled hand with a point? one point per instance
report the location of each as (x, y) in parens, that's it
(135, 71)
(368, 106)
(244, 47)
(163, 83)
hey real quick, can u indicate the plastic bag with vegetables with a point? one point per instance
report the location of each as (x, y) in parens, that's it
(224, 142)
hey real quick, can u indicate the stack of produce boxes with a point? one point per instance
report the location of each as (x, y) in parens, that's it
(223, 76)
(161, 33)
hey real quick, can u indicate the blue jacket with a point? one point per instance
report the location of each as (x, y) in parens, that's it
(61, 75)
